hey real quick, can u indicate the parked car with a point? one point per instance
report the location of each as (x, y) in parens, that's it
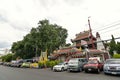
(6, 64)
(17, 63)
(12, 63)
(76, 64)
(1, 63)
(93, 66)
(26, 63)
(60, 67)
(112, 66)
(34, 65)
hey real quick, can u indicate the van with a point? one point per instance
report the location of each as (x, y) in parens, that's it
(76, 64)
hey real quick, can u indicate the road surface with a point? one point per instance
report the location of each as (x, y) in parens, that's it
(10, 73)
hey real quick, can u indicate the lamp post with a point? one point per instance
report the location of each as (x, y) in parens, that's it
(87, 53)
(85, 46)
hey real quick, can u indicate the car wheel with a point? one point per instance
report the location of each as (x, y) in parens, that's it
(80, 69)
(68, 70)
(62, 69)
(98, 70)
(86, 71)
(19, 66)
(54, 70)
(105, 73)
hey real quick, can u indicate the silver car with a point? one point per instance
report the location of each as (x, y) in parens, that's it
(112, 66)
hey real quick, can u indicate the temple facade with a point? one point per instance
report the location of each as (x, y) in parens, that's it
(84, 45)
(95, 48)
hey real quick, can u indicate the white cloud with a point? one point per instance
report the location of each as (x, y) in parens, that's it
(17, 17)
(9, 34)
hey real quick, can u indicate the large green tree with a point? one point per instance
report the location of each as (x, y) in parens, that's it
(44, 37)
(52, 36)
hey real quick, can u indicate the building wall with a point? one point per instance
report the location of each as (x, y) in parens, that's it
(62, 58)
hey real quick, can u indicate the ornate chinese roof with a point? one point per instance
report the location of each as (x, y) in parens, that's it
(95, 51)
(83, 35)
(64, 50)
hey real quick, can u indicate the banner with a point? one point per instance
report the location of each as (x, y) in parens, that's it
(43, 56)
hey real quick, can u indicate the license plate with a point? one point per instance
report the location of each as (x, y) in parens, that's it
(89, 69)
(114, 73)
(118, 68)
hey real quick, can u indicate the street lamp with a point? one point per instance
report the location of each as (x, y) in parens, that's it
(87, 53)
(85, 46)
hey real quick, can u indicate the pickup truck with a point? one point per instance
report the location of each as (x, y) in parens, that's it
(93, 65)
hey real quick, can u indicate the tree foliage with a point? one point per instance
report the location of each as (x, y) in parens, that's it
(44, 37)
(7, 58)
(112, 45)
(118, 47)
(116, 56)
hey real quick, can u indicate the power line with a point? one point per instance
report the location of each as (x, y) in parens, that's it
(111, 39)
(111, 25)
(110, 30)
(107, 40)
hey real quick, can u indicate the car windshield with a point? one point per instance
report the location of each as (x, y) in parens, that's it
(73, 62)
(60, 64)
(113, 62)
(92, 62)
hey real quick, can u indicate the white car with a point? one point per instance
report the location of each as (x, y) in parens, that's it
(60, 67)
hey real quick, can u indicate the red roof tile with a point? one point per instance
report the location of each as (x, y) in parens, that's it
(95, 51)
(83, 35)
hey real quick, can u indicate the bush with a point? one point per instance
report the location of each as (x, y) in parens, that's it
(52, 63)
(7, 58)
(41, 64)
(48, 64)
(116, 56)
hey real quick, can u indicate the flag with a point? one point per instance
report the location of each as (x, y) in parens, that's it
(41, 56)
(83, 42)
(80, 49)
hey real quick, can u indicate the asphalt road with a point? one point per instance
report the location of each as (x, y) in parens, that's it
(9, 73)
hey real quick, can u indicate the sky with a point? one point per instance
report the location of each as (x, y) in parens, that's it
(17, 17)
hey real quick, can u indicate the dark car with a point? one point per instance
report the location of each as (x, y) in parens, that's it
(112, 66)
(1, 63)
(93, 66)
